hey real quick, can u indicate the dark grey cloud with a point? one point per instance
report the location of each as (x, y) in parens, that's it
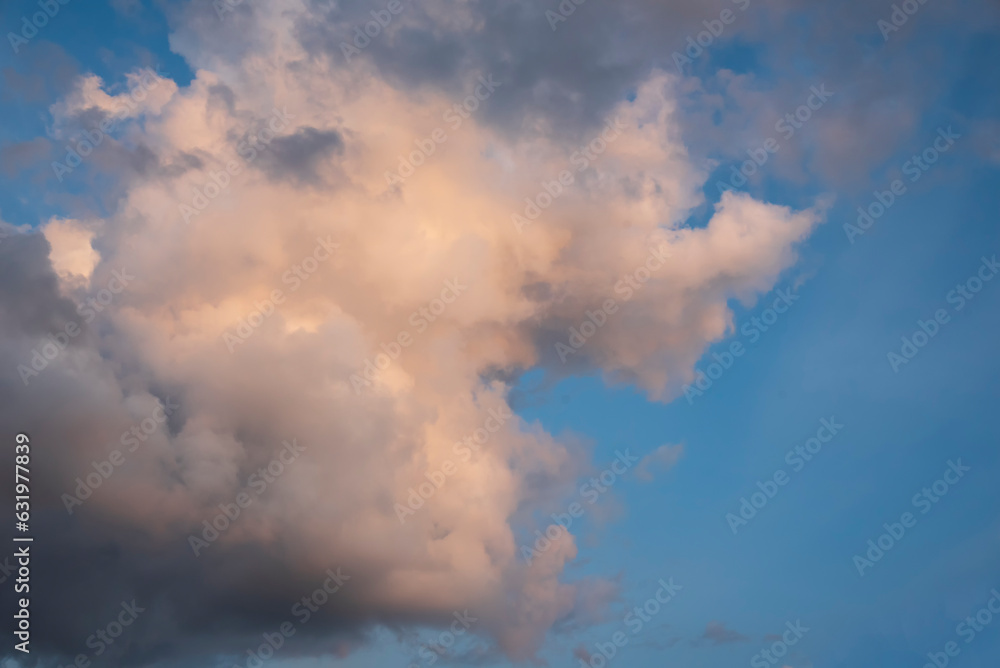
(300, 157)
(30, 303)
(221, 96)
(569, 77)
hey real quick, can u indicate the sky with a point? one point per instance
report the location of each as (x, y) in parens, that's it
(491, 333)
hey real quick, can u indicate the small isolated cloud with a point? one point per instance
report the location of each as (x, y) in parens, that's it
(716, 633)
(658, 461)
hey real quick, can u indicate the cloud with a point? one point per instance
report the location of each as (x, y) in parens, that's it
(30, 301)
(88, 103)
(716, 633)
(366, 451)
(662, 459)
(22, 156)
(72, 255)
(580, 652)
(299, 156)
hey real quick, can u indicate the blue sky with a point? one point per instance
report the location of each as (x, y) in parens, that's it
(826, 358)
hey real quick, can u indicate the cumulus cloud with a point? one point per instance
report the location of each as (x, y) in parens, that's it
(716, 633)
(660, 460)
(88, 103)
(264, 198)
